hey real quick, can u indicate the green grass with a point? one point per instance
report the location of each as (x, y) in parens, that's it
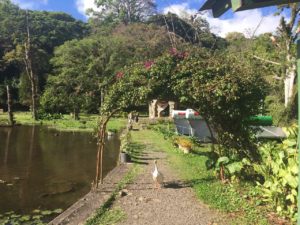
(86, 123)
(112, 217)
(105, 214)
(229, 198)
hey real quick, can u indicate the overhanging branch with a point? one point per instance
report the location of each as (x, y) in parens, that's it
(266, 60)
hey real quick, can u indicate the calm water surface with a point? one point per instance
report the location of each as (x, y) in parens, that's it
(48, 169)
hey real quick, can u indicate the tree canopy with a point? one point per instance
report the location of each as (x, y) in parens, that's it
(125, 11)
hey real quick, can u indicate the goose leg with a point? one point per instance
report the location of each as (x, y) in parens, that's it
(155, 185)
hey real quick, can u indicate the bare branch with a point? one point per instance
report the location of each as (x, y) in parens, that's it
(266, 60)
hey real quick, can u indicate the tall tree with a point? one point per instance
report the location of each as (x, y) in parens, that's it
(124, 11)
(47, 30)
(28, 62)
(194, 30)
(288, 38)
(284, 43)
(82, 69)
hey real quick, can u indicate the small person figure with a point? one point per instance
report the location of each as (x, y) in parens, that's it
(130, 120)
(137, 117)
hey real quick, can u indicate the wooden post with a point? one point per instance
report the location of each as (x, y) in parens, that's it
(9, 107)
(298, 86)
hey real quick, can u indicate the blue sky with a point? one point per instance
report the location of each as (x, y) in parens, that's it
(245, 22)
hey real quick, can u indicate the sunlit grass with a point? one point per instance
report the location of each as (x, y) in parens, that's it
(86, 123)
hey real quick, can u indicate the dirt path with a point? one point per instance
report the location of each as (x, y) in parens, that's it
(175, 204)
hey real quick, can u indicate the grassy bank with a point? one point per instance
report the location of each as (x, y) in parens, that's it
(86, 123)
(230, 198)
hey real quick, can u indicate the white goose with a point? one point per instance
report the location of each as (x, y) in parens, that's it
(158, 178)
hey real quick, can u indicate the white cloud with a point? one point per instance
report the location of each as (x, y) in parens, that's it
(30, 4)
(245, 22)
(83, 5)
(181, 10)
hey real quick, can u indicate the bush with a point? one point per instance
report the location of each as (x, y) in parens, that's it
(49, 116)
(183, 141)
(278, 171)
(125, 141)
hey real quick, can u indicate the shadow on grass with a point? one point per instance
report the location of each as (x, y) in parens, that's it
(208, 154)
(137, 155)
(178, 184)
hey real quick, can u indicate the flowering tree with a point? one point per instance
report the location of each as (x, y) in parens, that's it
(129, 89)
(134, 86)
(225, 90)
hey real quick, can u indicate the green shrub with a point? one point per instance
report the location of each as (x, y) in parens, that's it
(183, 141)
(125, 141)
(279, 174)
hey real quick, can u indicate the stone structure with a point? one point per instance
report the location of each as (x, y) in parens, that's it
(161, 108)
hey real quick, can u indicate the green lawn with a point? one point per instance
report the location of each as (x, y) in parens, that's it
(230, 198)
(86, 123)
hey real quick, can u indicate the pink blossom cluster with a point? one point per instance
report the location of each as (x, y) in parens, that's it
(180, 55)
(148, 64)
(119, 75)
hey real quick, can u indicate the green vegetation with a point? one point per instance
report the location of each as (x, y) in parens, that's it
(128, 55)
(270, 183)
(36, 217)
(86, 123)
(278, 171)
(105, 215)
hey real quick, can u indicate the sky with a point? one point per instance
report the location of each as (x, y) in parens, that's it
(250, 22)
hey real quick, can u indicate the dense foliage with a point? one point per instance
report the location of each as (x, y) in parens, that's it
(128, 54)
(47, 30)
(278, 172)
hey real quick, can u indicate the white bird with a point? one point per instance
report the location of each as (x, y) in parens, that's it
(158, 178)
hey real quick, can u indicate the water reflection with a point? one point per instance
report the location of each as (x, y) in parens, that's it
(47, 169)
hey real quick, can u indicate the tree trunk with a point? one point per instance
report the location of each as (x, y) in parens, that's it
(101, 144)
(289, 80)
(222, 174)
(9, 106)
(212, 136)
(76, 114)
(34, 97)
(290, 73)
(102, 96)
(31, 75)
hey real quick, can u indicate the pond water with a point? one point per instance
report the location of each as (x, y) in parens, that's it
(47, 169)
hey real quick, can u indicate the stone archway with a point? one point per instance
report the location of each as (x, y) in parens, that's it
(157, 108)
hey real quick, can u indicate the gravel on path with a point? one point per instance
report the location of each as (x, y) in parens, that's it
(174, 204)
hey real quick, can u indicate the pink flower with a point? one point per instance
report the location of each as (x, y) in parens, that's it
(173, 51)
(119, 75)
(180, 55)
(148, 64)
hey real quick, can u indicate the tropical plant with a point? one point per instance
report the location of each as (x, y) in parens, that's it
(278, 171)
